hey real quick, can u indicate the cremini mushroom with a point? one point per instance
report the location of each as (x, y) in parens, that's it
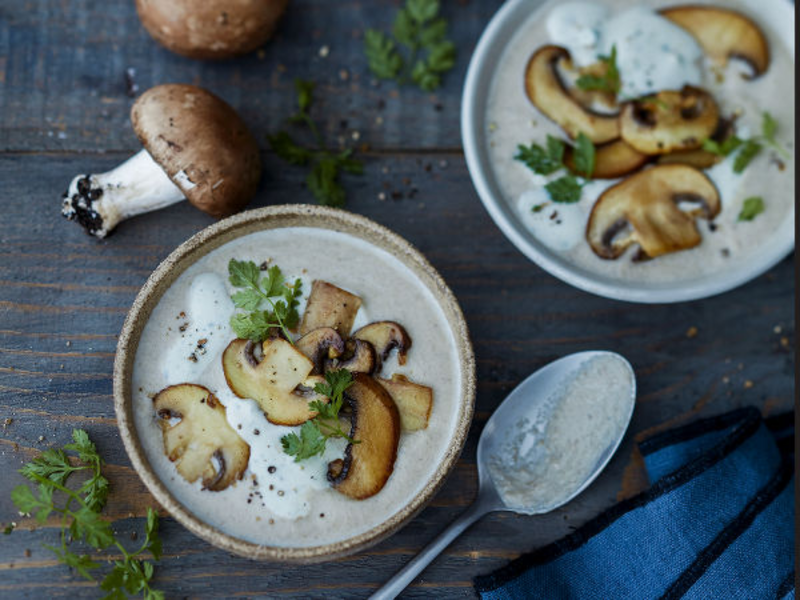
(321, 345)
(198, 438)
(414, 401)
(656, 209)
(195, 147)
(546, 90)
(329, 306)
(375, 424)
(669, 121)
(281, 382)
(724, 34)
(359, 357)
(386, 336)
(213, 29)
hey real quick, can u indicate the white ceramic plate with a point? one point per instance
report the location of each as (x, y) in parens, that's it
(777, 14)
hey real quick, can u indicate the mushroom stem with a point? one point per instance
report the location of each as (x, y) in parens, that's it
(100, 202)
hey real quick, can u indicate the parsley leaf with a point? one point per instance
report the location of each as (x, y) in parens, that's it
(419, 29)
(80, 517)
(728, 145)
(272, 289)
(323, 181)
(750, 149)
(325, 425)
(566, 189)
(584, 155)
(609, 81)
(751, 208)
(540, 160)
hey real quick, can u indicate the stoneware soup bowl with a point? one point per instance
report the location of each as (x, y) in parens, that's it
(273, 218)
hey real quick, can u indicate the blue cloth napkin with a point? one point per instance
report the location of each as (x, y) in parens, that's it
(718, 522)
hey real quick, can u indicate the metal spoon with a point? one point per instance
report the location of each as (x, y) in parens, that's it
(526, 400)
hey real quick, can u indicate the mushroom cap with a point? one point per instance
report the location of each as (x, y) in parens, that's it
(211, 28)
(201, 143)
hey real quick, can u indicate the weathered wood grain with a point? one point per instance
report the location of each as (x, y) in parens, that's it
(63, 65)
(64, 296)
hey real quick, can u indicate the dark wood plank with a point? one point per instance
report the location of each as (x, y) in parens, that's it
(63, 86)
(63, 297)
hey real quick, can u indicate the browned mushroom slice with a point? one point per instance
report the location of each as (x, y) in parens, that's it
(330, 306)
(321, 345)
(414, 401)
(698, 158)
(202, 443)
(375, 424)
(385, 336)
(547, 92)
(281, 382)
(724, 34)
(611, 160)
(359, 357)
(655, 209)
(669, 121)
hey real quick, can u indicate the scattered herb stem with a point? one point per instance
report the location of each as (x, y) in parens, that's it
(324, 179)
(50, 471)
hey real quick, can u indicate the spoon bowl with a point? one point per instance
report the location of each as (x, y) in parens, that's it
(532, 401)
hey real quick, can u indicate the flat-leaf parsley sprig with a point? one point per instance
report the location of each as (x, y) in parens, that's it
(81, 519)
(750, 148)
(326, 165)
(419, 29)
(550, 159)
(271, 289)
(315, 432)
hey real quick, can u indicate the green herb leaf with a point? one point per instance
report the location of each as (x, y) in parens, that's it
(326, 165)
(429, 54)
(537, 208)
(584, 156)
(727, 146)
(542, 161)
(423, 11)
(751, 208)
(323, 181)
(243, 273)
(272, 290)
(80, 512)
(287, 149)
(750, 149)
(609, 81)
(305, 94)
(309, 443)
(383, 58)
(565, 190)
(325, 425)
(769, 127)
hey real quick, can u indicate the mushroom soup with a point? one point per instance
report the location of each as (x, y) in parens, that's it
(279, 500)
(644, 98)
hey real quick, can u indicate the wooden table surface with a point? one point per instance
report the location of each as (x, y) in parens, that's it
(64, 104)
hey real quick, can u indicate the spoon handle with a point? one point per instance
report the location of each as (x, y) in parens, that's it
(406, 575)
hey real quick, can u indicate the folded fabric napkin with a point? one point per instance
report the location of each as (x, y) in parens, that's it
(718, 522)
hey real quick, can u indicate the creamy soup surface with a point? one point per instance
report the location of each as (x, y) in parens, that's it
(652, 54)
(278, 501)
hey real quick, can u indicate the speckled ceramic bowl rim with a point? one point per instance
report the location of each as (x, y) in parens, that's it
(216, 235)
(779, 14)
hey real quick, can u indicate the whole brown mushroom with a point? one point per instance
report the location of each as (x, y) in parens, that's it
(195, 147)
(213, 29)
